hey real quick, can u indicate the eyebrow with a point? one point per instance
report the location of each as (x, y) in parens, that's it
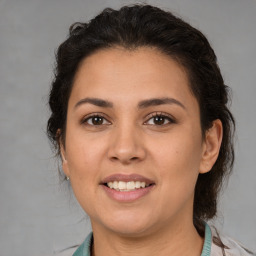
(159, 101)
(96, 102)
(141, 105)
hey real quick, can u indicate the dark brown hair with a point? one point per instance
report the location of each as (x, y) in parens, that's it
(144, 25)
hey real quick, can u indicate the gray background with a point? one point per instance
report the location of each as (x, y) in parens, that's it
(38, 216)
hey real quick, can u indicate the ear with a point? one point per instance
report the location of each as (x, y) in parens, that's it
(211, 147)
(65, 167)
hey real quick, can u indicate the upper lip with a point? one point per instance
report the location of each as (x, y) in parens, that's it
(126, 178)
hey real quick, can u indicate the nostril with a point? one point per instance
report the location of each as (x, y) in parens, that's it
(114, 158)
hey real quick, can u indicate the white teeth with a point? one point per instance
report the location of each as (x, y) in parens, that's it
(122, 185)
(126, 186)
(115, 184)
(130, 185)
(110, 184)
(137, 184)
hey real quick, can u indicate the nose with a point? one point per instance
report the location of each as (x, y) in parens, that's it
(126, 145)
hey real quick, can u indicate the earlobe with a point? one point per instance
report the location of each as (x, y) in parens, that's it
(63, 157)
(65, 167)
(62, 152)
(211, 148)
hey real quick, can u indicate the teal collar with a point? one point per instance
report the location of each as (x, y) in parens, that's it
(207, 241)
(84, 248)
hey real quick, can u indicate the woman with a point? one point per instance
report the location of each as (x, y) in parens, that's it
(140, 120)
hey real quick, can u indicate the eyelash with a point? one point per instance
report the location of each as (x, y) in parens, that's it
(99, 115)
(165, 116)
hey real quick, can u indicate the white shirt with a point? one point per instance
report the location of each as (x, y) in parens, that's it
(235, 247)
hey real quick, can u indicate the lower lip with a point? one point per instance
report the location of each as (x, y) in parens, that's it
(127, 196)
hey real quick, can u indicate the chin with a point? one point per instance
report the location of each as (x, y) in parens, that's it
(134, 230)
(129, 225)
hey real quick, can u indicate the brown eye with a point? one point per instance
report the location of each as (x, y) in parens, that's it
(160, 120)
(95, 120)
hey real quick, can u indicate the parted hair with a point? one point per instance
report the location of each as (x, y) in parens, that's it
(142, 25)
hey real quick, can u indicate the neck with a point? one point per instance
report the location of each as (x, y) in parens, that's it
(179, 239)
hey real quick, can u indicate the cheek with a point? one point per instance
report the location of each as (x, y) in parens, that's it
(84, 165)
(178, 159)
(84, 152)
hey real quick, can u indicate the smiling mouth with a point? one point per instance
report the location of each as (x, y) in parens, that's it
(127, 182)
(124, 186)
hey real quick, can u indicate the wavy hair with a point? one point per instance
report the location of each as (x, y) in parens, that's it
(141, 25)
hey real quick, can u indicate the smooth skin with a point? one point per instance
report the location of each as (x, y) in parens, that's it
(162, 141)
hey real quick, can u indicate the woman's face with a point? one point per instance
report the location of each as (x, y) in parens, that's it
(133, 145)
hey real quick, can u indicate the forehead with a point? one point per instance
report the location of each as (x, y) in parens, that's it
(118, 73)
